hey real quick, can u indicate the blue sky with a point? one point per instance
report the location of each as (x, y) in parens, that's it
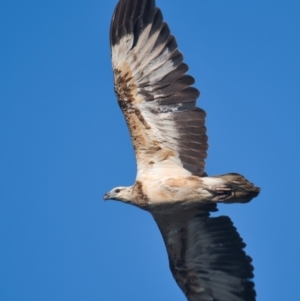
(64, 143)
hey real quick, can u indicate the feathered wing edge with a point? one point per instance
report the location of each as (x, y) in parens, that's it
(152, 87)
(206, 256)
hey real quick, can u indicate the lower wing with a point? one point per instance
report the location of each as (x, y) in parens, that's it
(206, 256)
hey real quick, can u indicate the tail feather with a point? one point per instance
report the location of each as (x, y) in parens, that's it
(235, 189)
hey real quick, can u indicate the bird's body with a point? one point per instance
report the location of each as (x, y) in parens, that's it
(169, 137)
(170, 194)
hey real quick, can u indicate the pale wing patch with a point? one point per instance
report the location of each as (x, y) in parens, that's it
(132, 72)
(166, 159)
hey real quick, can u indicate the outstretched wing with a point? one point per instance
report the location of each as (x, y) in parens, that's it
(206, 256)
(154, 92)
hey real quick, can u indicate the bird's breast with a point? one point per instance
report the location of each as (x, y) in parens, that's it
(170, 192)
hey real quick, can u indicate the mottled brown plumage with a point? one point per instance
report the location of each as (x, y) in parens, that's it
(168, 134)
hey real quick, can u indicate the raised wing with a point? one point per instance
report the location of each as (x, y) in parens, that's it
(206, 256)
(154, 92)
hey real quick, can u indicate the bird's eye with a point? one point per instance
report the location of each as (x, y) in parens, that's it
(117, 190)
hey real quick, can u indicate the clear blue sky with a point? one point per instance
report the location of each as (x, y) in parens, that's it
(64, 143)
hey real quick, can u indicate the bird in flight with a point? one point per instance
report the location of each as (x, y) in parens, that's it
(167, 129)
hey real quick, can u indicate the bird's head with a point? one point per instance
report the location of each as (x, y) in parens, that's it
(119, 194)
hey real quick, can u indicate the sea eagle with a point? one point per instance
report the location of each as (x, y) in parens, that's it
(206, 254)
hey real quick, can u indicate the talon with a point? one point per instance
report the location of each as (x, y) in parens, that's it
(230, 195)
(225, 194)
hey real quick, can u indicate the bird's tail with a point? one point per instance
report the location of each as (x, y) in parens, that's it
(235, 189)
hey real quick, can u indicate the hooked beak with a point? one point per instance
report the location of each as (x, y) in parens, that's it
(106, 197)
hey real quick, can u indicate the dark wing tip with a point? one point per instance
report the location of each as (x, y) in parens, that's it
(136, 12)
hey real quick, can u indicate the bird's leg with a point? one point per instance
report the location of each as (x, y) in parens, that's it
(222, 193)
